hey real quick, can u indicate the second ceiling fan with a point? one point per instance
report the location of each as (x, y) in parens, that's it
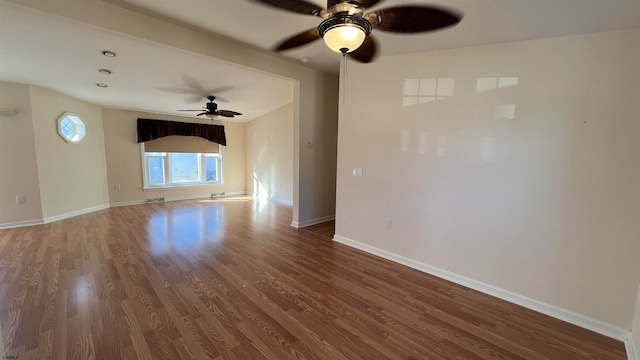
(211, 110)
(346, 28)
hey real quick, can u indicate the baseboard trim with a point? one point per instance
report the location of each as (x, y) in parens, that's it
(2, 355)
(306, 223)
(544, 308)
(632, 352)
(17, 224)
(281, 201)
(51, 219)
(127, 203)
(204, 197)
(71, 214)
(177, 198)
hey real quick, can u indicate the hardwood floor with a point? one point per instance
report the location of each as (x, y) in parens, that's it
(229, 279)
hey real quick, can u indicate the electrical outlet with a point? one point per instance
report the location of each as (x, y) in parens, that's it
(387, 223)
(356, 172)
(116, 187)
(20, 199)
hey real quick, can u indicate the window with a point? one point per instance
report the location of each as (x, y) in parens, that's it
(166, 169)
(71, 128)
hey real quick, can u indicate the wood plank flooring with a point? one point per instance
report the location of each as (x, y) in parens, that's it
(229, 279)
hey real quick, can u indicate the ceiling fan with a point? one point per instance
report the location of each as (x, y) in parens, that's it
(346, 28)
(211, 111)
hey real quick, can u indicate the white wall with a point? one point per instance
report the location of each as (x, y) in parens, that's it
(73, 177)
(18, 168)
(530, 187)
(124, 162)
(269, 140)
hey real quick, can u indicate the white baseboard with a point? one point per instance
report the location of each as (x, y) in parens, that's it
(632, 352)
(177, 198)
(206, 196)
(281, 201)
(51, 219)
(127, 203)
(306, 223)
(2, 355)
(17, 224)
(547, 309)
(74, 213)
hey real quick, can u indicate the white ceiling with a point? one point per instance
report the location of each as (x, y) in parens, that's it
(35, 47)
(485, 22)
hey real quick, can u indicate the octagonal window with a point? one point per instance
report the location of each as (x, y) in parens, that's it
(71, 128)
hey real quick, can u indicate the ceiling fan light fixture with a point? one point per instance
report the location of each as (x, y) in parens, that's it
(344, 32)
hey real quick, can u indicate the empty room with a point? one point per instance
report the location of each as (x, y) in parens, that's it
(312, 179)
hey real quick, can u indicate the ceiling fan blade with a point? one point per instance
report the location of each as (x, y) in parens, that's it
(189, 110)
(297, 6)
(300, 39)
(228, 113)
(367, 51)
(413, 19)
(204, 113)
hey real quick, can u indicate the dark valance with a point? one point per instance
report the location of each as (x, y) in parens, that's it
(149, 129)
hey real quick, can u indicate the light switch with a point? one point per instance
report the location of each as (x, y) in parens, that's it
(356, 172)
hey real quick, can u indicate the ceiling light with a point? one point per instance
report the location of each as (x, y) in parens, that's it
(108, 53)
(101, 85)
(104, 71)
(344, 33)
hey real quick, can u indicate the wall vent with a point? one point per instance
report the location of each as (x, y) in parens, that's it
(155, 200)
(218, 194)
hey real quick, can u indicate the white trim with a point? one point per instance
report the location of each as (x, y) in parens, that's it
(16, 224)
(629, 344)
(547, 309)
(74, 213)
(2, 356)
(306, 223)
(281, 201)
(177, 198)
(127, 203)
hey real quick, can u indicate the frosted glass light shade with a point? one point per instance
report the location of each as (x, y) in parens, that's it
(344, 36)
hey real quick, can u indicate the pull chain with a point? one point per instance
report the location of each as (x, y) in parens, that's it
(344, 73)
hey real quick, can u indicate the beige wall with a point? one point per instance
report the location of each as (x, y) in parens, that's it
(18, 168)
(269, 140)
(317, 173)
(73, 177)
(124, 162)
(315, 109)
(529, 187)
